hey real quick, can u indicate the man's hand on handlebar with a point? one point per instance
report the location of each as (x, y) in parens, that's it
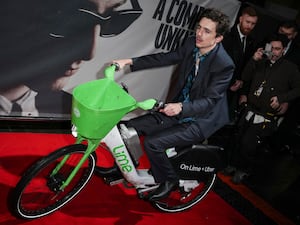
(171, 109)
(121, 63)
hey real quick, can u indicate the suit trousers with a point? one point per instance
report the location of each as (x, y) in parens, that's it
(160, 133)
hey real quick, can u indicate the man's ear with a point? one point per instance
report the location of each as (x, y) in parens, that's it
(219, 38)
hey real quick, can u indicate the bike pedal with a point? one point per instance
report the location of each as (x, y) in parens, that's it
(128, 185)
(113, 180)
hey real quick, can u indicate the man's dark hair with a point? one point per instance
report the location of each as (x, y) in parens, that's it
(249, 11)
(279, 37)
(289, 24)
(222, 20)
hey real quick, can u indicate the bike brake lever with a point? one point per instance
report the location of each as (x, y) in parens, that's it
(158, 105)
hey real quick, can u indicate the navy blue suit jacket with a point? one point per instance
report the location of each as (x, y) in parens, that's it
(208, 93)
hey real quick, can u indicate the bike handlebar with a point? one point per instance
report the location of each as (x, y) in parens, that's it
(157, 106)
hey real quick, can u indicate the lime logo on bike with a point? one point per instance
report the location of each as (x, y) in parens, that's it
(76, 112)
(193, 168)
(122, 158)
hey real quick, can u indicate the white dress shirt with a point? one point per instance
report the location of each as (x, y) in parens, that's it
(26, 102)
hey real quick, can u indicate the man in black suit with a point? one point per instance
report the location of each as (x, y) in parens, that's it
(240, 45)
(290, 30)
(199, 105)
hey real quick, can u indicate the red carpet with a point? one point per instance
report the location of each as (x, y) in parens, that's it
(98, 203)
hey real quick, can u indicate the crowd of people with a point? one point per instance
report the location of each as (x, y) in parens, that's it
(265, 92)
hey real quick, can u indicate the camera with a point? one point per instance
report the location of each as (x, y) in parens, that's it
(267, 52)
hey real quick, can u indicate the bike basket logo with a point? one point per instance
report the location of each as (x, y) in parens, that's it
(193, 168)
(76, 112)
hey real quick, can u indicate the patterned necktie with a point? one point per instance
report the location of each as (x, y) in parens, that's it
(185, 93)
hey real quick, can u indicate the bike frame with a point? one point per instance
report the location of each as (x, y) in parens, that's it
(140, 178)
(137, 177)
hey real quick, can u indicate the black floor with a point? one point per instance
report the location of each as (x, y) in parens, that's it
(277, 181)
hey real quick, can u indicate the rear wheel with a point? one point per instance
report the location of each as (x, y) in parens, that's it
(39, 193)
(189, 193)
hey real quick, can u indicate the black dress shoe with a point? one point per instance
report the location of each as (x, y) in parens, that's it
(239, 176)
(163, 190)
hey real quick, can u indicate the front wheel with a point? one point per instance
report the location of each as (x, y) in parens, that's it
(38, 193)
(190, 193)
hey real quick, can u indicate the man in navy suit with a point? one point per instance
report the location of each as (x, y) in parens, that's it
(199, 105)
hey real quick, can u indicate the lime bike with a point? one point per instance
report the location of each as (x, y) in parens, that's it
(55, 179)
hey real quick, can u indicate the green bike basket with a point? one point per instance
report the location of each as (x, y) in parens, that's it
(98, 106)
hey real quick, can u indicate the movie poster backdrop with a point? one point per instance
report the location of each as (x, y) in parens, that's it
(48, 47)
